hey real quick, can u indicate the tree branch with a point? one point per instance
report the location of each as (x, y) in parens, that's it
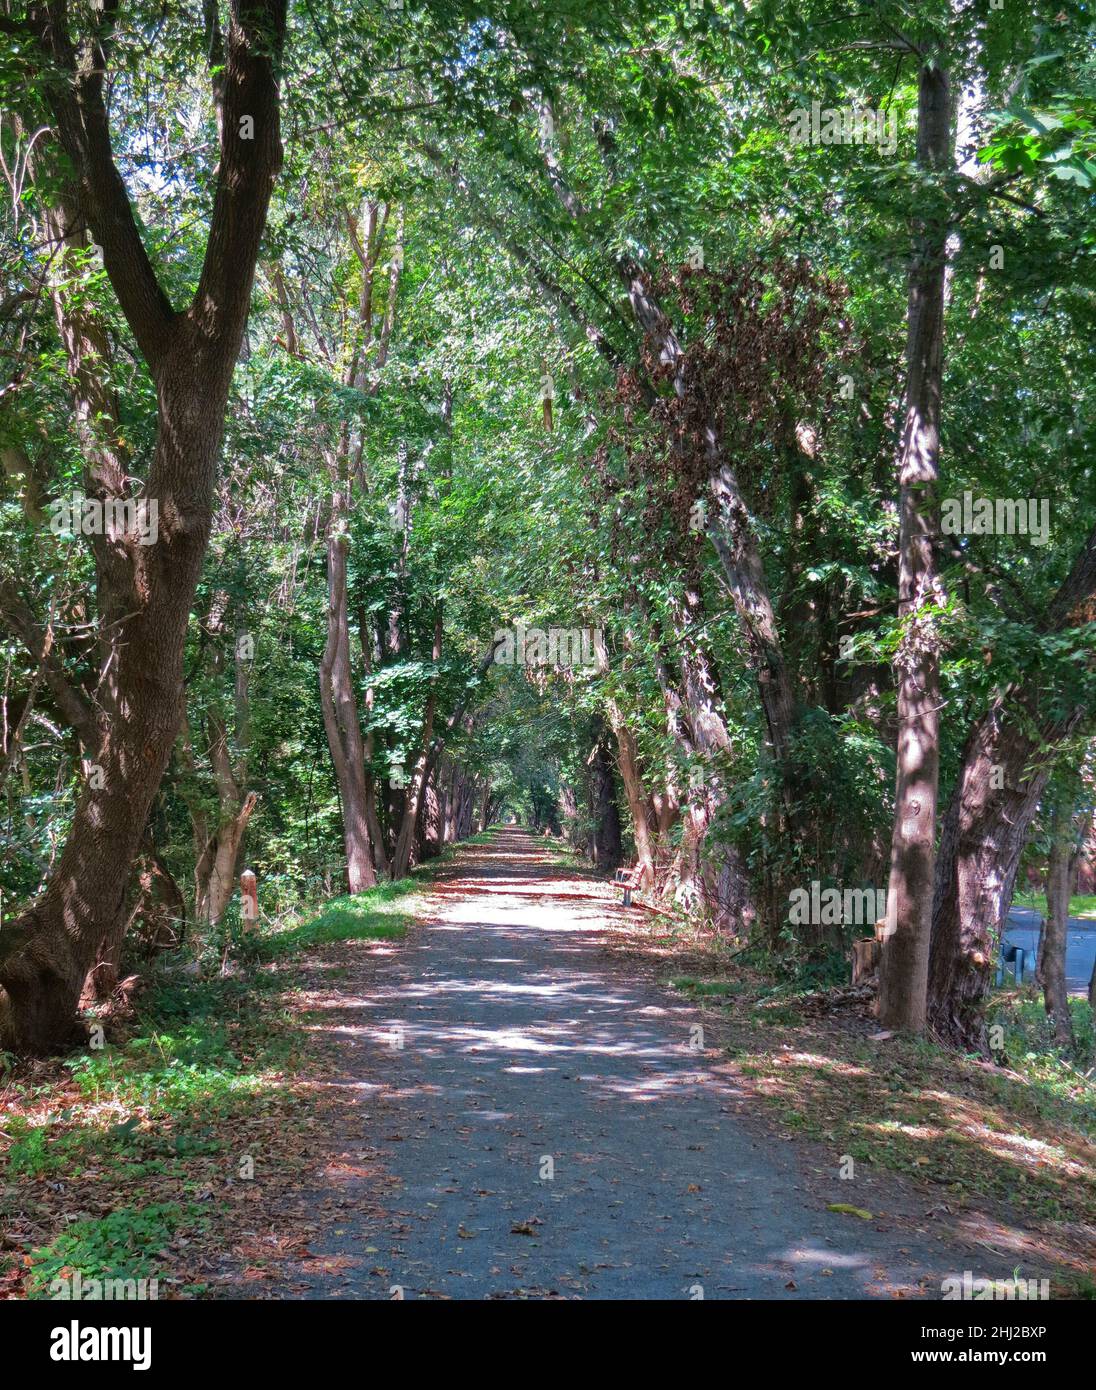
(75, 98)
(251, 156)
(73, 707)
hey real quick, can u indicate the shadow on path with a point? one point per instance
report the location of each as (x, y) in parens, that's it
(548, 1123)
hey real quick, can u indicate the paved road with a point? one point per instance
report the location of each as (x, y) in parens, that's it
(1023, 931)
(549, 1130)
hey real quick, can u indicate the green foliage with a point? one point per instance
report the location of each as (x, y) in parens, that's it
(380, 914)
(125, 1244)
(1031, 1049)
(668, 127)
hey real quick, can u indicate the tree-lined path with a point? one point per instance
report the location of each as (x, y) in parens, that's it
(665, 426)
(509, 1029)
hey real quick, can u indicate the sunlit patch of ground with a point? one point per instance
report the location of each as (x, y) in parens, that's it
(1009, 1149)
(996, 1144)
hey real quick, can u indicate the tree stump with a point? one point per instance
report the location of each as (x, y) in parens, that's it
(865, 960)
(249, 900)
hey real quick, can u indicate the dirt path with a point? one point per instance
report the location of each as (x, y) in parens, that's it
(524, 1115)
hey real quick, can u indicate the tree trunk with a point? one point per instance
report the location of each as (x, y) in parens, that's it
(1004, 769)
(709, 873)
(628, 763)
(441, 781)
(1066, 842)
(903, 970)
(47, 952)
(222, 877)
(603, 806)
(145, 590)
(983, 835)
(215, 873)
(570, 817)
(340, 711)
(732, 533)
(372, 818)
(401, 857)
(735, 541)
(1052, 966)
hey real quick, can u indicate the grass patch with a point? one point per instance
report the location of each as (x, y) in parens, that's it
(1080, 905)
(382, 913)
(688, 984)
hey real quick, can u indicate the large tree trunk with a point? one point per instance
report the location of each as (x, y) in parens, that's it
(47, 952)
(735, 540)
(982, 836)
(571, 818)
(420, 773)
(903, 971)
(430, 824)
(1005, 766)
(1061, 863)
(709, 873)
(223, 854)
(145, 590)
(372, 818)
(215, 871)
(340, 711)
(628, 763)
(603, 804)
(732, 533)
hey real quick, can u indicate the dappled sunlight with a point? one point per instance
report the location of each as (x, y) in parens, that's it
(944, 1136)
(659, 1086)
(813, 1059)
(510, 1031)
(550, 1000)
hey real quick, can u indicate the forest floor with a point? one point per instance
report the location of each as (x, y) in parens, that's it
(535, 1093)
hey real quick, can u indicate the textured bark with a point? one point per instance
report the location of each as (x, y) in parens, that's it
(604, 812)
(449, 801)
(708, 873)
(372, 817)
(1005, 766)
(982, 837)
(903, 970)
(225, 853)
(571, 818)
(340, 712)
(1061, 864)
(628, 763)
(466, 801)
(420, 773)
(156, 921)
(736, 544)
(145, 591)
(430, 822)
